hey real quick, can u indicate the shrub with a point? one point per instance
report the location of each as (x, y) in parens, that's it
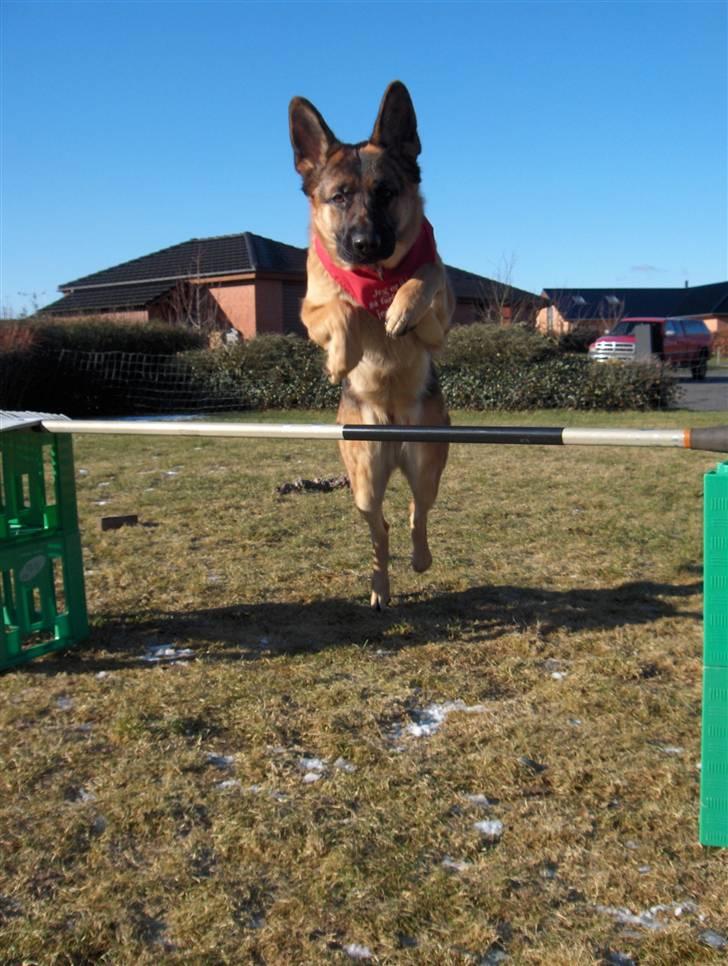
(100, 335)
(484, 344)
(15, 335)
(579, 339)
(565, 382)
(268, 372)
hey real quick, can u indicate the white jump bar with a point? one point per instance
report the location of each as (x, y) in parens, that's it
(152, 427)
(714, 438)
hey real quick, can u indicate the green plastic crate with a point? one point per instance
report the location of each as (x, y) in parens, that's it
(37, 487)
(715, 575)
(42, 594)
(714, 768)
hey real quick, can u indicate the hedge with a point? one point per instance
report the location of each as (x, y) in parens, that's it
(563, 382)
(287, 372)
(270, 372)
(97, 335)
(485, 344)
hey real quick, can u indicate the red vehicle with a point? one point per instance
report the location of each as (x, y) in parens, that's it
(675, 341)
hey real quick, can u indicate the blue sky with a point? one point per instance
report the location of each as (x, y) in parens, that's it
(564, 143)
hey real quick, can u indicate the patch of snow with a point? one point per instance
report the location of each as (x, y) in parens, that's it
(652, 918)
(63, 703)
(482, 801)
(671, 750)
(426, 721)
(312, 764)
(494, 957)
(614, 958)
(219, 761)
(165, 652)
(312, 776)
(491, 829)
(343, 765)
(709, 937)
(454, 865)
(228, 783)
(357, 951)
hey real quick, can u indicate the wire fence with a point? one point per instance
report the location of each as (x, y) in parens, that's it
(122, 383)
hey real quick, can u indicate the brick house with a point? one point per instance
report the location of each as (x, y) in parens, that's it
(598, 309)
(248, 282)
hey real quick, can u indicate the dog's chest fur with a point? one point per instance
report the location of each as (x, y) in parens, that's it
(392, 374)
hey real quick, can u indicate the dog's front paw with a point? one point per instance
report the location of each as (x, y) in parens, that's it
(342, 355)
(336, 376)
(397, 324)
(405, 311)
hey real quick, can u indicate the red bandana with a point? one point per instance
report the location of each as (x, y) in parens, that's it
(374, 291)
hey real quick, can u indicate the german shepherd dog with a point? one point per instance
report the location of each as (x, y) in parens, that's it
(379, 302)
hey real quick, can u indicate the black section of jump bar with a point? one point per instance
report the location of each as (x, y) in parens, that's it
(540, 435)
(714, 439)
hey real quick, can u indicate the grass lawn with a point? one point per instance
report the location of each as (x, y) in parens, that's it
(305, 787)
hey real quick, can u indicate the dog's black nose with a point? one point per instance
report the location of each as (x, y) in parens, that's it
(363, 244)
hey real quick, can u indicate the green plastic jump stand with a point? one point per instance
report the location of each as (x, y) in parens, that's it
(714, 769)
(42, 594)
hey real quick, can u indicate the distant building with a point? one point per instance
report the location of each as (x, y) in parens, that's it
(249, 282)
(568, 309)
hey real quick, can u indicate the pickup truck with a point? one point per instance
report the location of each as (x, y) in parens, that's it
(675, 341)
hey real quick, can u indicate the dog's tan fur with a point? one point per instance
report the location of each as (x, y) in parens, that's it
(385, 366)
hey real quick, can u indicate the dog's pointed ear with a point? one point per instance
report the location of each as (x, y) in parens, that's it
(396, 123)
(311, 137)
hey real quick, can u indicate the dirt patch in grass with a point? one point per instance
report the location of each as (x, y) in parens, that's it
(245, 764)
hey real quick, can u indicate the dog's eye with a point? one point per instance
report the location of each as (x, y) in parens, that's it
(385, 193)
(339, 199)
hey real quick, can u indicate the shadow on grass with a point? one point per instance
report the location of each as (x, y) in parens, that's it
(252, 631)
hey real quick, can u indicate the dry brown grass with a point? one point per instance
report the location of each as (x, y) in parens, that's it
(119, 843)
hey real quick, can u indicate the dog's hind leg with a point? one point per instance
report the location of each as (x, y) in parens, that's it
(369, 466)
(422, 465)
(379, 529)
(423, 471)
